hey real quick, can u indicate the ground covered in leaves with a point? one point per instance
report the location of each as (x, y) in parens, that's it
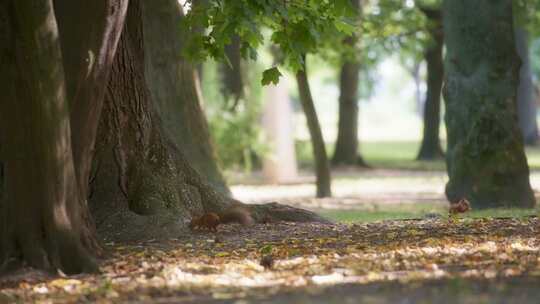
(430, 259)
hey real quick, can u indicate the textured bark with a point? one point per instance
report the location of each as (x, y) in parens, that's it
(485, 159)
(430, 148)
(526, 102)
(231, 73)
(42, 225)
(175, 89)
(346, 150)
(89, 32)
(322, 167)
(143, 186)
(136, 179)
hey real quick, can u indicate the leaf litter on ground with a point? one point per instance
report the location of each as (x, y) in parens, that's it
(227, 264)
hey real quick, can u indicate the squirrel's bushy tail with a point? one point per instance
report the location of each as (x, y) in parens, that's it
(236, 214)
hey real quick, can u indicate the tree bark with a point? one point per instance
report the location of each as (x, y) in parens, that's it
(43, 226)
(526, 103)
(485, 160)
(142, 185)
(175, 89)
(346, 150)
(322, 167)
(430, 148)
(89, 32)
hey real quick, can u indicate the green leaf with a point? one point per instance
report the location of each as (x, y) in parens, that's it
(344, 27)
(271, 76)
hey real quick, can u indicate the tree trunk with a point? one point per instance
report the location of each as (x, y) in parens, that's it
(87, 64)
(526, 103)
(430, 149)
(142, 185)
(322, 168)
(485, 159)
(231, 73)
(43, 226)
(175, 89)
(346, 150)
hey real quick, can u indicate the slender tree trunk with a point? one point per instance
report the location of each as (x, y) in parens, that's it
(485, 159)
(322, 167)
(42, 220)
(346, 150)
(526, 102)
(232, 74)
(430, 149)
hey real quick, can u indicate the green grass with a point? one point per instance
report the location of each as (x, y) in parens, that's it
(533, 157)
(396, 155)
(411, 211)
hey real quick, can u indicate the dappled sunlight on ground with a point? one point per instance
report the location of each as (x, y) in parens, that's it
(307, 257)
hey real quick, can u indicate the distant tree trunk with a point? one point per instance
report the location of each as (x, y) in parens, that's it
(42, 220)
(430, 148)
(485, 159)
(346, 150)
(322, 168)
(526, 102)
(231, 74)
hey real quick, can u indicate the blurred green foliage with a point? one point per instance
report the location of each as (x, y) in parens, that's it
(237, 134)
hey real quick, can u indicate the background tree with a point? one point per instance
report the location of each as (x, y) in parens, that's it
(485, 161)
(322, 166)
(346, 149)
(430, 148)
(231, 73)
(526, 101)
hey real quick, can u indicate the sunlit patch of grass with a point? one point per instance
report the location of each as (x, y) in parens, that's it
(533, 157)
(397, 155)
(503, 212)
(420, 210)
(384, 212)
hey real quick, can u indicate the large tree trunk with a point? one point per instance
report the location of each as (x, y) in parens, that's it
(89, 32)
(485, 159)
(430, 149)
(322, 167)
(42, 218)
(143, 186)
(175, 89)
(526, 102)
(346, 150)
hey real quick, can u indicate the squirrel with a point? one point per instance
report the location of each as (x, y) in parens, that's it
(212, 220)
(461, 206)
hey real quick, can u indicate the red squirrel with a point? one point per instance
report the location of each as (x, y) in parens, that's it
(211, 220)
(461, 206)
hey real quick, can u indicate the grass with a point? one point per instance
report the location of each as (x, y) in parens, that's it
(396, 155)
(413, 211)
(533, 157)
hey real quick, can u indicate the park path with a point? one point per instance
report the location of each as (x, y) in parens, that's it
(354, 189)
